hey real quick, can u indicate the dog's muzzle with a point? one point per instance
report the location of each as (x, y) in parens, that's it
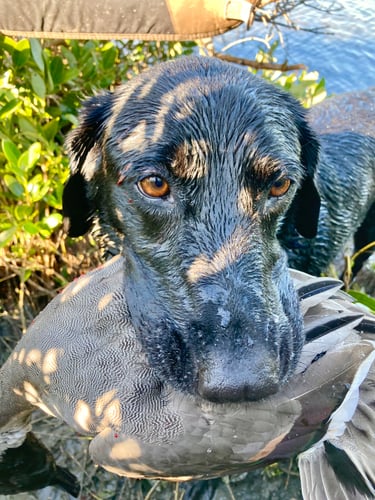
(237, 356)
(238, 380)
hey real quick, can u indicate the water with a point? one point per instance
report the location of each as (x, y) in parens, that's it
(345, 58)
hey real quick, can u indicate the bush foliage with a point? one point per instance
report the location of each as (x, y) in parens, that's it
(41, 89)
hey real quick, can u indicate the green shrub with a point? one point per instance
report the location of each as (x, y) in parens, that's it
(306, 86)
(42, 85)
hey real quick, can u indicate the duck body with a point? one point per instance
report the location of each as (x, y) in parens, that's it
(81, 361)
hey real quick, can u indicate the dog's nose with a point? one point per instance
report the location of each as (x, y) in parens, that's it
(232, 382)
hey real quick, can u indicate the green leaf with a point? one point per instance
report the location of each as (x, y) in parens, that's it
(10, 151)
(18, 173)
(7, 235)
(38, 85)
(321, 86)
(363, 299)
(36, 188)
(23, 212)
(37, 53)
(44, 230)
(27, 127)
(53, 201)
(70, 74)
(21, 53)
(13, 185)
(71, 118)
(25, 274)
(49, 80)
(29, 158)
(109, 57)
(22, 44)
(53, 220)
(30, 227)
(107, 46)
(69, 56)
(8, 43)
(56, 69)
(9, 108)
(51, 129)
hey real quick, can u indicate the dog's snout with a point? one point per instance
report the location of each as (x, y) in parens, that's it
(222, 382)
(236, 345)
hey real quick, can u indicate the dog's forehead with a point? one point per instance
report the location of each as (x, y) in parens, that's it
(214, 95)
(209, 110)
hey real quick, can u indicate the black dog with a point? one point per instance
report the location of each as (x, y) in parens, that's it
(189, 169)
(345, 179)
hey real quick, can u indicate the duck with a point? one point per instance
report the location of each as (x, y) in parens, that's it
(81, 362)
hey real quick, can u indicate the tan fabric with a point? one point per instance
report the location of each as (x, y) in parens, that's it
(200, 17)
(122, 19)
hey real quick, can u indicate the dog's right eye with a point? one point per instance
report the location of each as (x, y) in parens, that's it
(154, 186)
(280, 187)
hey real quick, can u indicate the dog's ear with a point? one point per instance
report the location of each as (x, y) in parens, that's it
(305, 207)
(84, 150)
(78, 209)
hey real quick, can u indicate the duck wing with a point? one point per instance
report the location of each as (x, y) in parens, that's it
(342, 464)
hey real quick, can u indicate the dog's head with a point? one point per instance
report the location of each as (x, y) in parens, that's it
(189, 168)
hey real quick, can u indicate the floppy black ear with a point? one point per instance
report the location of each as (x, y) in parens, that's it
(305, 207)
(83, 146)
(78, 209)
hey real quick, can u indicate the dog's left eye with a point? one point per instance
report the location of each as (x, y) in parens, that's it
(154, 186)
(280, 187)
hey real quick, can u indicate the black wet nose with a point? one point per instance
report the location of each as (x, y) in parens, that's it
(234, 384)
(239, 393)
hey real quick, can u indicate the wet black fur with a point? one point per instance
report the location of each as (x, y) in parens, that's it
(207, 283)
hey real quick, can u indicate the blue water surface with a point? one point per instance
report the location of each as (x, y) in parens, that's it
(345, 57)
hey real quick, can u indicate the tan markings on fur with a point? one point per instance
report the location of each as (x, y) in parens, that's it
(229, 252)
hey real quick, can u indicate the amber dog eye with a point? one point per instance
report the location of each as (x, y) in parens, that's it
(154, 186)
(280, 187)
